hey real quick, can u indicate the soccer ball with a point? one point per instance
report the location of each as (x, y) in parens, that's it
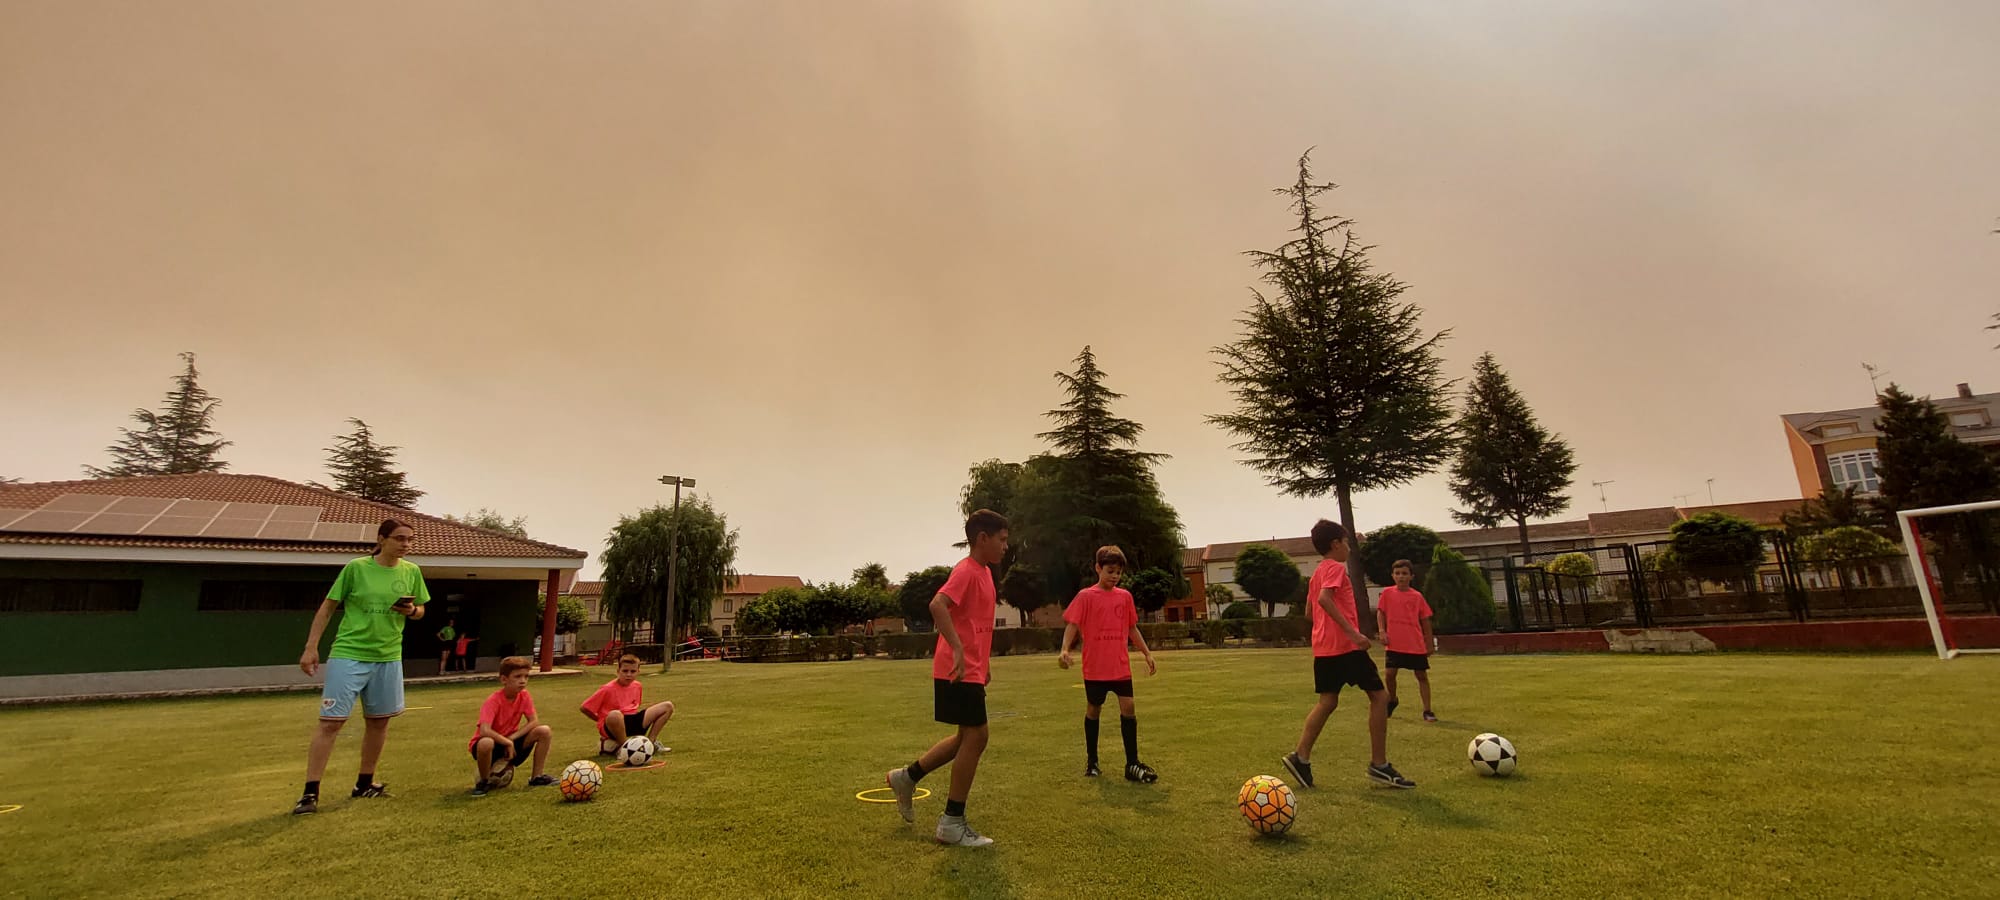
(607, 746)
(502, 776)
(1267, 804)
(637, 752)
(1492, 754)
(581, 780)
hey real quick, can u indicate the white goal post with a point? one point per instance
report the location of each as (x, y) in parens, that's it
(1913, 544)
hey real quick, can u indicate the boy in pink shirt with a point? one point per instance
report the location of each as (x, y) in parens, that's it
(617, 709)
(1340, 657)
(1109, 621)
(508, 730)
(963, 612)
(1406, 621)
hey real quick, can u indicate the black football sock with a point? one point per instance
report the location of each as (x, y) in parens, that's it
(916, 771)
(364, 781)
(954, 808)
(312, 788)
(1129, 727)
(1090, 738)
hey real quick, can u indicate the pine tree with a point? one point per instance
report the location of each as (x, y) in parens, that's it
(1337, 387)
(1509, 468)
(1921, 462)
(177, 440)
(366, 469)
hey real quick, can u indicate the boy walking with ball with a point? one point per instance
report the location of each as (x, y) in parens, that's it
(963, 611)
(1406, 621)
(1340, 657)
(1108, 619)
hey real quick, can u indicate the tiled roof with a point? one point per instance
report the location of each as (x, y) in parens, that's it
(1508, 534)
(1193, 557)
(1298, 546)
(1634, 521)
(755, 585)
(1769, 513)
(435, 536)
(587, 589)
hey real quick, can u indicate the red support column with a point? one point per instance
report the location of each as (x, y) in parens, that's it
(549, 621)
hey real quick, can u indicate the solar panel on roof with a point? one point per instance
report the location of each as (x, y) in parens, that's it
(8, 516)
(256, 511)
(296, 514)
(287, 531)
(236, 529)
(176, 526)
(81, 503)
(344, 533)
(44, 520)
(114, 524)
(204, 509)
(146, 506)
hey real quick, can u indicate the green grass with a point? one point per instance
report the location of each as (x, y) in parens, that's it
(1693, 776)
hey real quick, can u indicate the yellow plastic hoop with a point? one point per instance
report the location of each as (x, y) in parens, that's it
(621, 767)
(11, 807)
(922, 792)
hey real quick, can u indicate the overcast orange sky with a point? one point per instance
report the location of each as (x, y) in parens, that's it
(824, 256)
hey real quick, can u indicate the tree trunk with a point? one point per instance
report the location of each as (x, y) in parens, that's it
(1527, 549)
(1364, 612)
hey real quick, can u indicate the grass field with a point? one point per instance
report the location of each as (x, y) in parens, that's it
(1720, 774)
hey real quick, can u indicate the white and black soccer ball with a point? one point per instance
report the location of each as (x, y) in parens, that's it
(1492, 755)
(638, 751)
(502, 776)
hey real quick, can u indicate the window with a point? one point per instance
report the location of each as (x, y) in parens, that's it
(69, 595)
(727, 604)
(999, 623)
(725, 631)
(1855, 470)
(1971, 419)
(1836, 430)
(261, 596)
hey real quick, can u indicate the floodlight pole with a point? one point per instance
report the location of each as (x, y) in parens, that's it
(665, 623)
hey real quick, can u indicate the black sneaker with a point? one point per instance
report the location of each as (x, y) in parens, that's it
(1430, 716)
(1392, 707)
(1142, 773)
(373, 790)
(480, 789)
(308, 805)
(1090, 770)
(1387, 774)
(542, 781)
(1301, 770)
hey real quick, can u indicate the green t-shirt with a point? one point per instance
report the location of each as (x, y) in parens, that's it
(369, 630)
(447, 633)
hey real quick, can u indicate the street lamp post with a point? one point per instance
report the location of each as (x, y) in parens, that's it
(665, 622)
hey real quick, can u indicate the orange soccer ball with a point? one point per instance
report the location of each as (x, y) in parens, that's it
(1267, 804)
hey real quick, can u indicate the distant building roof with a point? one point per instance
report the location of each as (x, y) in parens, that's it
(754, 585)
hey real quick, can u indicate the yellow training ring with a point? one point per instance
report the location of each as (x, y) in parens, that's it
(922, 792)
(13, 807)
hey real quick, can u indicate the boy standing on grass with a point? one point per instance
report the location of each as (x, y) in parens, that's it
(1340, 657)
(1109, 621)
(617, 709)
(1406, 622)
(963, 611)
(508, 730)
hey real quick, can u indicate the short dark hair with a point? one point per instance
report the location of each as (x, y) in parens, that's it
(1325, 533)
(1403, 564)
(627, 660)
(513, 664)
(983, 521)
(1110, 553)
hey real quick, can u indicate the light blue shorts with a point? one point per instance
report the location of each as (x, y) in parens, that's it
(378, 684)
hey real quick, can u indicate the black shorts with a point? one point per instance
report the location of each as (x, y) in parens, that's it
(959, 702)
(1415, 662)
(1094, 691)
(635, 724)
(523, 749)
(1354, 667)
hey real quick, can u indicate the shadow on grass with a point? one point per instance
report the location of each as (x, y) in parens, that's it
(1114, 790)
(974, 873)
(1427, 809)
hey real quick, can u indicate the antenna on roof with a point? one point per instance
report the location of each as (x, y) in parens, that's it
(1681, 499)
(1874, 375)
(1599, 485)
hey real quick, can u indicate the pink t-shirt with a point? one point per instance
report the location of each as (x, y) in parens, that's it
(1104, 618)
(970, 592)
(613, 697)
(1403, 611)
(503, 714)
(1328, 639)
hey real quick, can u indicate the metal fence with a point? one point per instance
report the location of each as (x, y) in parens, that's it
(1627, 589)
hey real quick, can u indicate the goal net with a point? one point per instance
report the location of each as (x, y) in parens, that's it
(1955, 555)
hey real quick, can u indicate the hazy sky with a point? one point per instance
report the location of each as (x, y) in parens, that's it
(824, 256)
